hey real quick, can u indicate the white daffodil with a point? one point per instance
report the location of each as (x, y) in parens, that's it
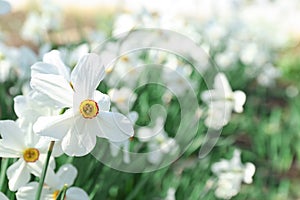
(39, 22)
(123, 98)
(221, 101)
(125, 70)
(3, 197)
(30, 150)
(66, 176)
(231, 174)
(29, 108)
(159, 143)
(16, 61)
(176, 76)
(88, 115)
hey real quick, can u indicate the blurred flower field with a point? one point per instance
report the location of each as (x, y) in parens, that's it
(193, 99)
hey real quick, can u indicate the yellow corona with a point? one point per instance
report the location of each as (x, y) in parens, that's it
(31, 155)
(89, 109)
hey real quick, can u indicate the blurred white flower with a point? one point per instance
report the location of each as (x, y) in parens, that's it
(71, 57)
(39, 23)
(123, 98)
(66, 176)
(231, 174)
(88, 115)
(31, 151)
(16, 61)
(158, 142)
(268, 75)
(176, 76)
(125, 70)
(221, 102)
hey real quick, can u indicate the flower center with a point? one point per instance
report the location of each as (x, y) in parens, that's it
(31, 155)
(89, 109)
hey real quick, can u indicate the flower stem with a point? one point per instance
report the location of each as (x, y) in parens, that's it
(4, 166)
(42, 179)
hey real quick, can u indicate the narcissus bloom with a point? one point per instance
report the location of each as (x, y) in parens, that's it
(66, 176)
(221, 102)
(159, 143)
(231, 174)
(29, 149)
(88, 113)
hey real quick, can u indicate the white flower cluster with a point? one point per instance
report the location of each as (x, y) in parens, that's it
(39, 121)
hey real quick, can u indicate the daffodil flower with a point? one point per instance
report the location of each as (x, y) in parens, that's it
(221, 102)
(231, 174)
(123, 98)
(66, 176)
(29, 108)
(88, 113)
(29, 149)
(159, 143)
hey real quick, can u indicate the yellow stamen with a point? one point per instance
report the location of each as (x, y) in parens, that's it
(31, 155)
(124, 59)
(89, 109)
(109, 70)
(72, 86)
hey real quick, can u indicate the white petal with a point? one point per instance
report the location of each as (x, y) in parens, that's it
(80, 140)
(20, 103)
(3, 197)
(28, 191)
(219, 113)
(103, 101)
(55, 127)
(6, 152)
(43, 68)
(54, 58)
(133, 116)
(57, 150)
(51, 179)
(211, 95)
(87, 75)
(239, 101)
(17, 175)
(115, 126)
(145, 134)
(67, 174)
(155, 157)
(222, 85)
(12, 135)
(55, 87)
(249, 172)
(75, 193)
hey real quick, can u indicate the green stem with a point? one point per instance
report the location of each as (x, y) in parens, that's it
(42, 179)
(4, 166)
